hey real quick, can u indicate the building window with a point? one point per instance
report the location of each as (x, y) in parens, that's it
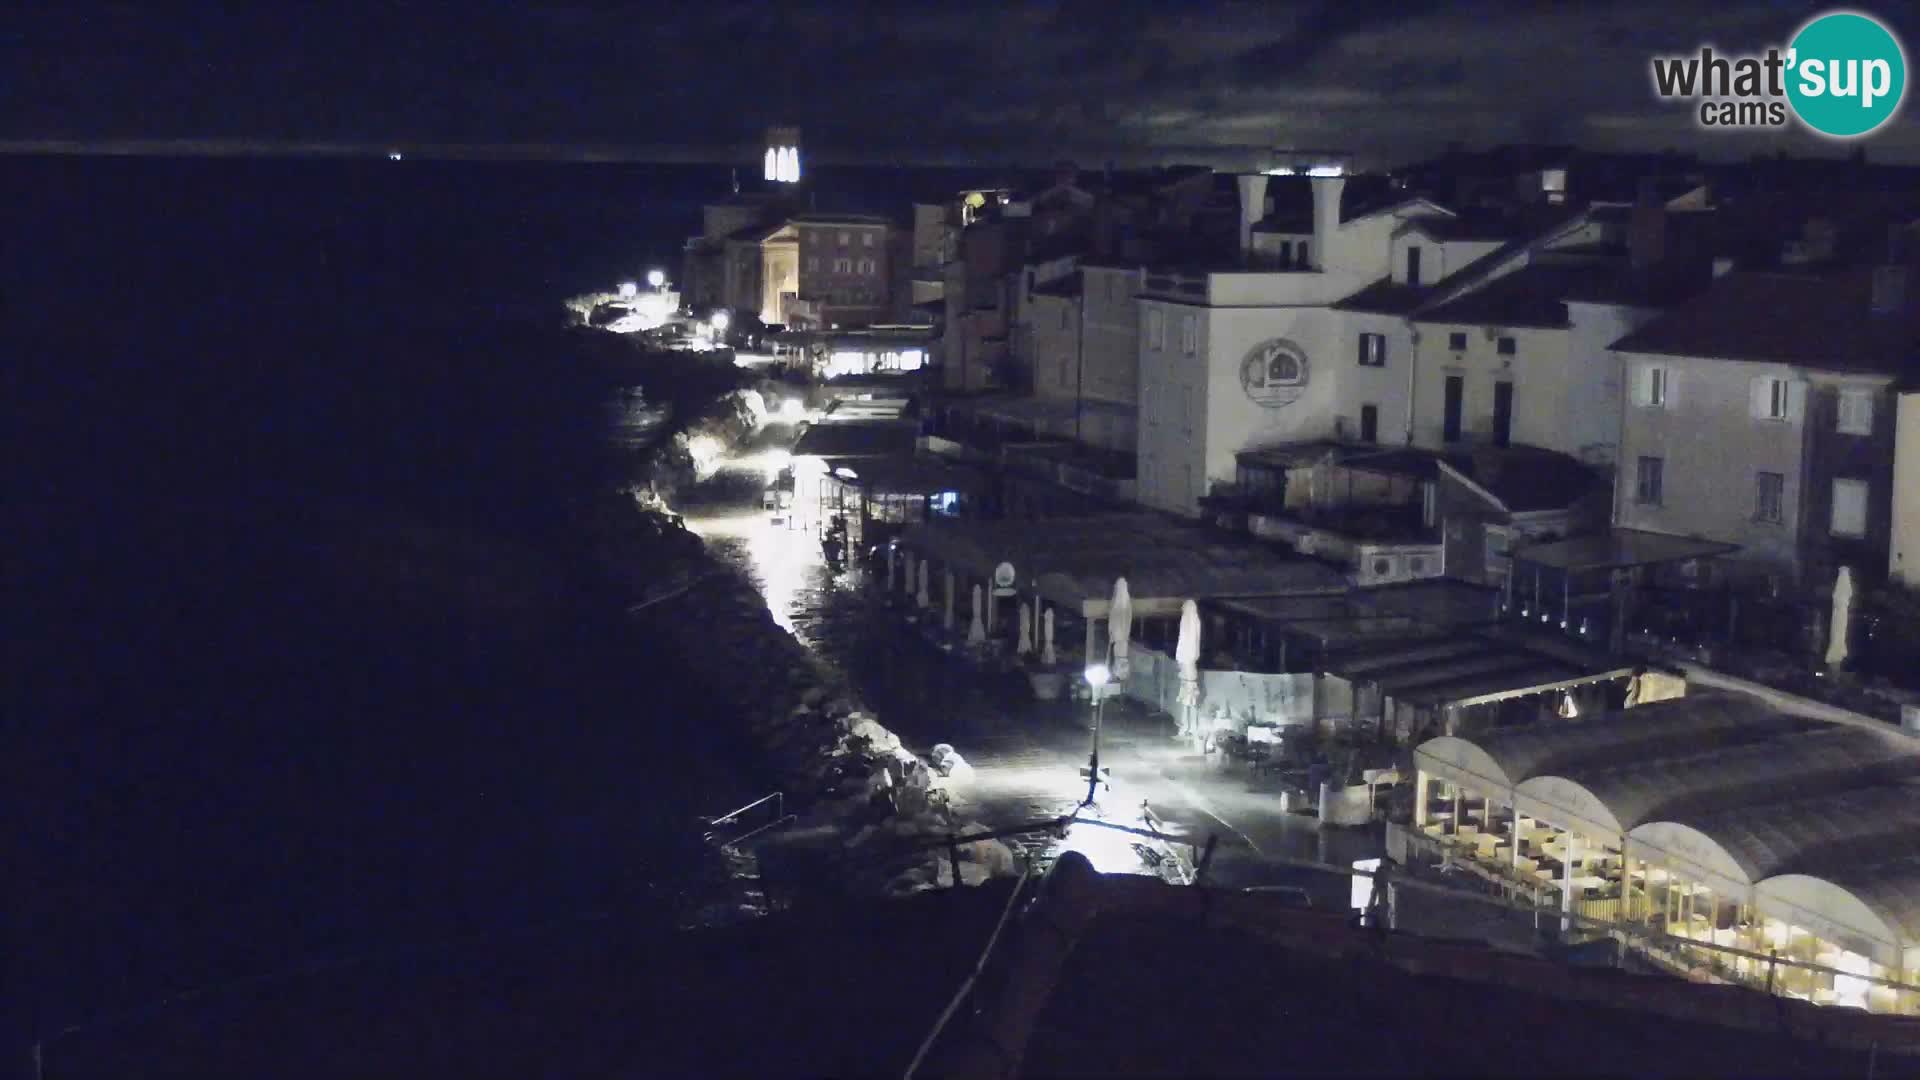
(1373, 350)
(1647, 481)
(1189, 334)
(1770, 398)
(867, 266)
(1286, 253)
(1652, 389)
(813, 264)
(1369, 423)
(1849, 507)
(1457, 341)
(1769, 496)
(866, 239)
(1300, 257)
(1856, 412)
(1156, 329)
(1413, 266)
(1506, 347)
(1456, 388)
(845, 237)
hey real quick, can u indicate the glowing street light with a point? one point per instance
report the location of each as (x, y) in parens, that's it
(656, 279)
(720, 320)
(628, 290)
(1097, 676)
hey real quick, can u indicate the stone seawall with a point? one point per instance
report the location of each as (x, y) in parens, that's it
(865, 806)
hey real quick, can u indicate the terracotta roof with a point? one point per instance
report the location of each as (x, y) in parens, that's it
(1468, 227)
(1387, 297)
(1817, 320)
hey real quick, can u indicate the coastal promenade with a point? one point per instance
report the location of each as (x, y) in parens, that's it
(1027, 755)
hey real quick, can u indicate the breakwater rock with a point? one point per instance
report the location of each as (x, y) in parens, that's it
(868, 816)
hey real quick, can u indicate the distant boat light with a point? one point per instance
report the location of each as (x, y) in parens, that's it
(393, 155)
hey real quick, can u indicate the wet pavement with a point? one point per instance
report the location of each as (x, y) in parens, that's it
(1027, 754)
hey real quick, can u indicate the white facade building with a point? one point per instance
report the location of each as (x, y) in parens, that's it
(1904, 563)
(1234, 359)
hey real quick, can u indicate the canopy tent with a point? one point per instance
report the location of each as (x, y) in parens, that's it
(1815, 825)
(1496, 763)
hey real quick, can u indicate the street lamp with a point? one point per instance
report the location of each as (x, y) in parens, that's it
(720, 320)
(1097, 676)
(628, 290)
(656, 279)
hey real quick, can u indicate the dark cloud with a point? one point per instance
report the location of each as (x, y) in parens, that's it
(879, 78)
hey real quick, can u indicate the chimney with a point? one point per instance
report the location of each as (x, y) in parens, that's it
(1326, 215)
(1253, 207)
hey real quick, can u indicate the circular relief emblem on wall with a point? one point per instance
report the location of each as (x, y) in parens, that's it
(1274, 374)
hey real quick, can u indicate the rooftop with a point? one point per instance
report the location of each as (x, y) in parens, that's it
(1536, 295)
(1819, 319)
(1074, 561)
(856, 438)
(1461, 669)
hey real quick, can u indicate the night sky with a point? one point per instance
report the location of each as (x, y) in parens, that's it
(892, 80)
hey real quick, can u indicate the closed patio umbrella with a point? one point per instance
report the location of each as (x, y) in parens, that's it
(891, 555)
(923, 599)
(1047, 655)
(977, 631)
(946, 620)
(1025, 645)
(1119, 628)
(1842, 616)
(1186, 653)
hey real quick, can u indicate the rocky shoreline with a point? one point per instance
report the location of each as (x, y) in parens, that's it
(865, 809)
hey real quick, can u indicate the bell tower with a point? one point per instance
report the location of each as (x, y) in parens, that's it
(782, 164)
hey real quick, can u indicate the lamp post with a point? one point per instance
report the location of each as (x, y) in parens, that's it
(1097, 675)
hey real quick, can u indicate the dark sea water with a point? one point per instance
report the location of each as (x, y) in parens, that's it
(301, 660)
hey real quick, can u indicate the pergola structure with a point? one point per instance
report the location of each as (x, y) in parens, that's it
(1411, 682)
(1586, 585)
(1711, 818)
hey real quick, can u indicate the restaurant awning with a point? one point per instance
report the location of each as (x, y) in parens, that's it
(906, 475)
(1463, 670)
(1619, 549)
(856, 438)
(1073, 561)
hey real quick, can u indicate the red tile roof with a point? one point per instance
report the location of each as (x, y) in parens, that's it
(1820, 320)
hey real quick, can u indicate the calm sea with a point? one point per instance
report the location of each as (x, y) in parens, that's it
(300, 660)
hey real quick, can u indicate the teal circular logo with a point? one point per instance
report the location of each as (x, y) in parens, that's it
(1846, 74)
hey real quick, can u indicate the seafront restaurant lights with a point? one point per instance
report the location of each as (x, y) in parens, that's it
(628, 290)
(656, 280)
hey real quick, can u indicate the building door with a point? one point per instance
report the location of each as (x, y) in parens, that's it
(1502, 413)
(1413, 266)
(1450, 421)
(1369, 423)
